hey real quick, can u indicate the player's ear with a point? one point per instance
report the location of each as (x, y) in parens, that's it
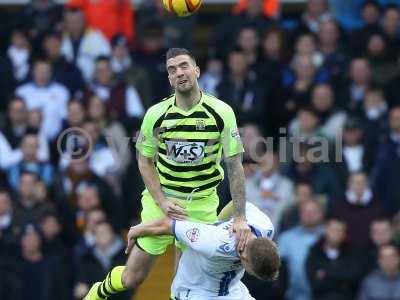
(197, 69)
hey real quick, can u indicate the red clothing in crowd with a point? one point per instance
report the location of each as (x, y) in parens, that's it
(109, 16)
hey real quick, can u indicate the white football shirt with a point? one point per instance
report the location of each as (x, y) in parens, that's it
(211, 268)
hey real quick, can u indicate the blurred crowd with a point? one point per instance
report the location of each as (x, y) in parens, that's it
(326, 79)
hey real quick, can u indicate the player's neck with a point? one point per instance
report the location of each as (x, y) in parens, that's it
(188, 100)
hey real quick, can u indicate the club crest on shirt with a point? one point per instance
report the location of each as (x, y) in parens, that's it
(200, 125)
(226, 248)
(193, 234)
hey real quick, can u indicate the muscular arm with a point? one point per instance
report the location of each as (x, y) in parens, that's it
(237, 185)
(150, 178)
(156, 227)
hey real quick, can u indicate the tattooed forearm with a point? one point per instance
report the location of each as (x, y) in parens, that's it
(237, 184)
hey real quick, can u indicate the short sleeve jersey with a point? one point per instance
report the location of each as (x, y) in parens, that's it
(211, 266)
(188, 145)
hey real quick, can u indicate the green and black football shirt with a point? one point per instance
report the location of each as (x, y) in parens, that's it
(188, 145)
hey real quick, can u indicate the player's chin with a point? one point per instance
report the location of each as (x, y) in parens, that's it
(184, 88)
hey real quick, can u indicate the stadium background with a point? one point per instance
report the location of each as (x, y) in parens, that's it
(303, 69)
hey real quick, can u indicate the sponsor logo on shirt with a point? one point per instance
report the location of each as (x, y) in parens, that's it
(185, 152)
(193, 234)
(200, 125)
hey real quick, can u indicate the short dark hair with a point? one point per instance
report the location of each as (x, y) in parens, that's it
(174, 52)
(264, 258)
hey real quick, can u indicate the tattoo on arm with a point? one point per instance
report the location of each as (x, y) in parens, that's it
(237, 183)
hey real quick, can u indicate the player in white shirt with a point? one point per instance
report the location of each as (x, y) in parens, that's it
(211, 267)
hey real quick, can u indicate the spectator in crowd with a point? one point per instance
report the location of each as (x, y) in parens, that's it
(332, 267)
(390, 26)
(335, 60)
(128, 70)
(306, 167)
(119, 15)
(122, 101)
(228, 28)
(383, 65)
(29, 206)
(150, 55)
(355, 156)
(380, 234)
(383, 283)
(40, 15)
(19, 54)
(64, 72)
(87, 239)
(331, 118)
(375, 116)
(358, 209)
(354, 89)
(81, 44)
(248, 41)
(242, 89)
(211, 76)
(30, 162)
(273, 56)
(294, 245)
(306, 45)
(76, 114)
(89, 198)
(112, 130)
(291, 215)
(270, 191)
(370, 13)
(387, 163)
(315, 13)
(107, 253)
(38, 272)
(17, 127)
(47, 96)
(76, 174)
(297, 84)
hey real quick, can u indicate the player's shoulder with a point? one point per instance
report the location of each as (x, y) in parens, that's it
(160, 108)
(216, 104)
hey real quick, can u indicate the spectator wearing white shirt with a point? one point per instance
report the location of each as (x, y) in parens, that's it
(15, 129)
(81, 45)
(47, 96)
(122, 101)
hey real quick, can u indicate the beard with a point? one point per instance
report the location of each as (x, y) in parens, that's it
(185, 87)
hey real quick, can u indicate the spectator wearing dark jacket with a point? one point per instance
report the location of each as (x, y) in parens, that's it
(41, 278)
(384, 283)
(63, 71)
(356, 157)
(380, 233)
(242, 90)
(332, 268)
(358, 209)
(107, 253)
(386, 170)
